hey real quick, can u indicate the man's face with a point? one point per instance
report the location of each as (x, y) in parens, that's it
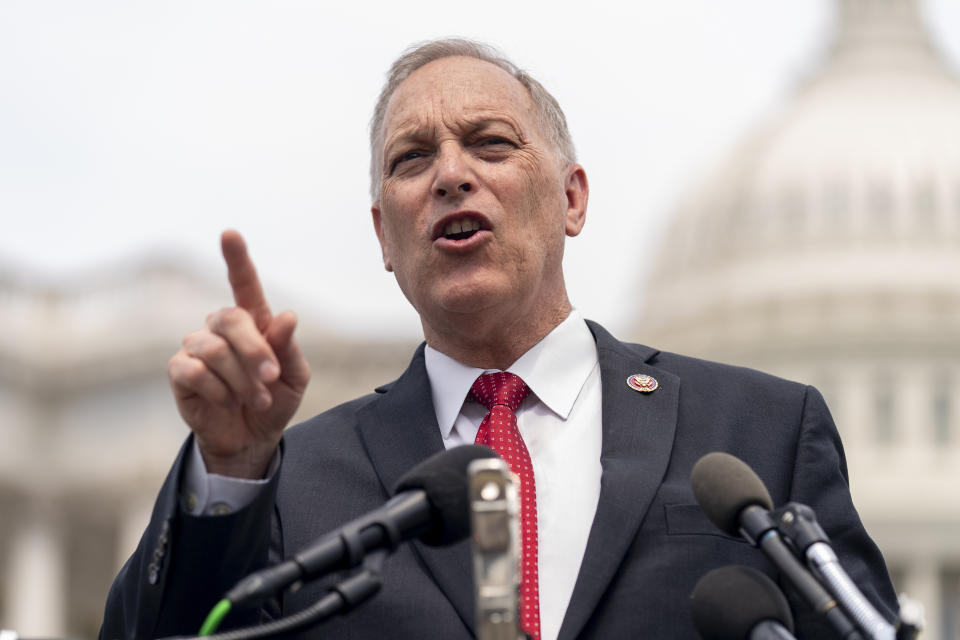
(474, 204)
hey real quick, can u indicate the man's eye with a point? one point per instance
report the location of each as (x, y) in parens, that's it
(494, 141)
(409, 155)
(405, 157)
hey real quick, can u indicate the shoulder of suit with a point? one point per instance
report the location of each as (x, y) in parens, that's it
(338, 417)
(691, 368)
(720, 374)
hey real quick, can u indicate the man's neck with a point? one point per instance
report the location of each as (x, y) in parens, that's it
(494, 344)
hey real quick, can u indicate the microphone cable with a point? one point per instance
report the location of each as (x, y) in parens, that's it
(340, 599)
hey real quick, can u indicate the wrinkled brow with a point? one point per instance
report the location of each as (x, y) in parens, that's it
(412, 129)
(418, 130)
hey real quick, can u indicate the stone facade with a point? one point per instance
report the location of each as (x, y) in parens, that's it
(90, 428)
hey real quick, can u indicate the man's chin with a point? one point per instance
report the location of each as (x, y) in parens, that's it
(470, 300)
(468, 304)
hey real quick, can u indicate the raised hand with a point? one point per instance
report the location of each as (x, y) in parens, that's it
(239, 379)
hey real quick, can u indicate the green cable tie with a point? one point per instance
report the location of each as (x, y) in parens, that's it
(216, 616)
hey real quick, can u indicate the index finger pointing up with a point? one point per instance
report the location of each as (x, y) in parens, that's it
(247, 292)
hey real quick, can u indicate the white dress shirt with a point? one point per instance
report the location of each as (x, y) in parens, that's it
(560, 422)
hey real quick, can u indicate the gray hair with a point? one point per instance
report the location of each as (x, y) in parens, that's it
(552, 121)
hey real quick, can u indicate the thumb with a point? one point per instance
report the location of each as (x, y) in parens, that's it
(293, 365)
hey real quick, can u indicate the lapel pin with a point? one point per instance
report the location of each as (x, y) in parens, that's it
(642, 383)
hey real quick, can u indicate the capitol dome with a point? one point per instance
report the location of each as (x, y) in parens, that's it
(826, 249)
(839, 221)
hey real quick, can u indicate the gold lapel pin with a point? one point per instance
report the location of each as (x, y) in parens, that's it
(642, 383)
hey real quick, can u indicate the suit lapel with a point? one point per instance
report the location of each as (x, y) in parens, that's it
(399, 431)
(638, 431)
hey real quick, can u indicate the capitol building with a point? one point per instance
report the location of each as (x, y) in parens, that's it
(825, 248)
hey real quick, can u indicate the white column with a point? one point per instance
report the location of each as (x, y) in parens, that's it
(912, 421)
(921, 580)
(35, 582)
(136, 516)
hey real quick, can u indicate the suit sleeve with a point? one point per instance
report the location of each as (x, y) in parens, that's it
(820, 480)
(184, 564)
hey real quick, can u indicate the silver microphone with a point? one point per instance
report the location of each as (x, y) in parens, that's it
(496, 549)
(824, 564)
(798, 522)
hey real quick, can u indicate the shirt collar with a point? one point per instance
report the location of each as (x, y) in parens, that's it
(555, 369)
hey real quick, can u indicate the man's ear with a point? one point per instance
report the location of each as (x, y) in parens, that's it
(378, 227)
(577, 191)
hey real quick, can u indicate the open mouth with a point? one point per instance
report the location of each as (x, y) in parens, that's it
(460, 227)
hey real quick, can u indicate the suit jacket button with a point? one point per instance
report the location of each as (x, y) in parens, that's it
(153, 574)
(165, 533)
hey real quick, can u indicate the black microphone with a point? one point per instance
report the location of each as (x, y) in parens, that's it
(737, 603)
(736, 500)
(430, 503)
(725, 488)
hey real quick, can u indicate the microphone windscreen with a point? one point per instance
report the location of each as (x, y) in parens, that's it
(443, 478)
(730, 601)
(724, 486)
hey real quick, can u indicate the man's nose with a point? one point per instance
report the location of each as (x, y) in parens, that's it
(454, 175)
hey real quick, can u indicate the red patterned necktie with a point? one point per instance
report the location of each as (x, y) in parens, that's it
(501, 393)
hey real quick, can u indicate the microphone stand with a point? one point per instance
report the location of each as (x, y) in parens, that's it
(799, 524)
(760, 530)
(340, 599)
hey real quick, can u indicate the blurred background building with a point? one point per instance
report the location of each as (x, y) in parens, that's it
(826, 249)
(90, 428)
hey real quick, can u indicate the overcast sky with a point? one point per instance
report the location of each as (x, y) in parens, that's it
(131, 129)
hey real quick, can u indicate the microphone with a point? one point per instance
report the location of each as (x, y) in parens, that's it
(799, 524)
(429, 503)
(726, 489)
(496, 552)
(747, 500)
(737, 603)
(736, 500)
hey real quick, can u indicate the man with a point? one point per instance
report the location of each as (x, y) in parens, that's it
(475, 189)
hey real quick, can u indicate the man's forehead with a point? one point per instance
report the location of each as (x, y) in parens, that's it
(467, 86)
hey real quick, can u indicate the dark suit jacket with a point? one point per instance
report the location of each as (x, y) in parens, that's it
(648, 545)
